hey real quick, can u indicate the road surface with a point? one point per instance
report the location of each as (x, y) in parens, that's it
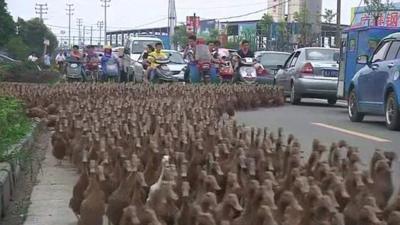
(316, 119)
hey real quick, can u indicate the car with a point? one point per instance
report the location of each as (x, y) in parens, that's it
(133, 50)
(375, 89)
(310, 72)
(177, 65)
(270, 60)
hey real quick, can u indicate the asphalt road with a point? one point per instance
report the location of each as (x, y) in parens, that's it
(316, 119)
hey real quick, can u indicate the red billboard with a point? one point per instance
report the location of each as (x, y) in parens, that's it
(192, 23)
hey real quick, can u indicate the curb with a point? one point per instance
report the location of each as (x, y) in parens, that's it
(10, 171)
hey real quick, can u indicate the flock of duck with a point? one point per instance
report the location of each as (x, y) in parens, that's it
(175, 155)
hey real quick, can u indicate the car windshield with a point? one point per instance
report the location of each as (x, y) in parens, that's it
(176, 57)
(139, 46)
(273, 59)
(322, 54)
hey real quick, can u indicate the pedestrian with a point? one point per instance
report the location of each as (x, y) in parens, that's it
(32, 57)
(60, 59)
(46, 60)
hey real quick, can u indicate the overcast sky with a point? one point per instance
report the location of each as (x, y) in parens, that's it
(125, 14)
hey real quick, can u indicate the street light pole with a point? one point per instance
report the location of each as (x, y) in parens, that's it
(105, 5)
(338, 18)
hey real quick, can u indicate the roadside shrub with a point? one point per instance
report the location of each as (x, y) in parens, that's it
(27, 72)
(14, 125)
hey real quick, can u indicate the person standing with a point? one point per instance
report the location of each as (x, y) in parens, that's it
(46, 60)
(189, 55)
(60, 59)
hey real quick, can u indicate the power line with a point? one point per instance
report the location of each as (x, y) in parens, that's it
(69, 14)
(105, 5)
(224, 7)
(41, 9)
(254, 12)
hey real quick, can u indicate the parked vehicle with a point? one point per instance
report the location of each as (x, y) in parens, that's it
(134, 49)
(310, 73)
(375, 89)
(270, 60)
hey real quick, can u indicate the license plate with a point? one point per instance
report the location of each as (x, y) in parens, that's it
(330, 73)
(74, 65)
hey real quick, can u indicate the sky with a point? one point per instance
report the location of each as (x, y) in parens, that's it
(128, 14)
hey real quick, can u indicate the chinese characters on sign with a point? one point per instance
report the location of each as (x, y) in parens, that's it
(389, 19)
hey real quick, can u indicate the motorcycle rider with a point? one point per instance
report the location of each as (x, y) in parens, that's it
(76, 56)
(153, 56)
(189, 55)
(244, 52)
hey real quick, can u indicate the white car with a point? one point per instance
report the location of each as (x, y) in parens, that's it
(177, 65)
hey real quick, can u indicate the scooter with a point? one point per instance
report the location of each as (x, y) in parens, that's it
(74, 71)
(226, 72)
(162, 73)
(204, 68)
(111, 71)
(249, 69)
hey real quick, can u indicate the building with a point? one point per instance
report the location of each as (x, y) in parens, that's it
(314, 8)
(276, 8)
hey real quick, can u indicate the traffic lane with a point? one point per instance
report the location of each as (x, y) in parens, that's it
(315, 120)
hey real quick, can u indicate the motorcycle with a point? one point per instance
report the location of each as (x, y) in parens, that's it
(224, 66)
(249, 69)
(92, 70)
(201, 68)
(162, 73)
(111, 70)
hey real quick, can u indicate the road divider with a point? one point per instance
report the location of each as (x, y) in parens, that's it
(354, 133)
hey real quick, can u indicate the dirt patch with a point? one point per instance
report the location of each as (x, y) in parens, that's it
(18, 209)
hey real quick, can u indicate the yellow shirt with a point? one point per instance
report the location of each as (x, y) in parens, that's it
(156, 55)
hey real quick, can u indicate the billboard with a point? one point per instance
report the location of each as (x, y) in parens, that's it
(192, 23)
(361, 18)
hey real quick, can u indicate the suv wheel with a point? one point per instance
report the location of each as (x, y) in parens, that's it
(294, 98)
(332, 101)
(392, 113)
(354, 114)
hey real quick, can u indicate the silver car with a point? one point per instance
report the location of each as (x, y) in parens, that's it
(310, 73)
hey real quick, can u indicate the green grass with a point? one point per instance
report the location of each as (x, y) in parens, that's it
(14, 125)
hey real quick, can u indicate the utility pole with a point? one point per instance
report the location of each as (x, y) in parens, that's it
(91, 35)
(338, 27)
(171, 21)
(41, 9)
(105, 5)
(194, 24)
(100, 26)
(84, 35)
(79, 23)
(69, 14)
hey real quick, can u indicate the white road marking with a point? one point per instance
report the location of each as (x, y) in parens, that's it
(354, 133)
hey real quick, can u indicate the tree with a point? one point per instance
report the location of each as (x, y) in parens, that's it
(329, 16)
(180, 37)
(283, 36)
(213, 35)
(302, 17)
(33, 32)
(17, 48)
(266, 25)
(7, 27)
(376, 8)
